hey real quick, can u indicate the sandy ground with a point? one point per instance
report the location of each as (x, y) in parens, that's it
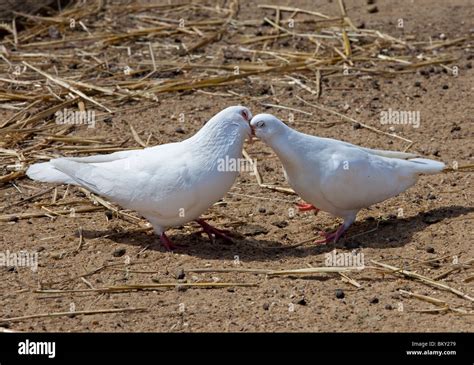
(431, 221)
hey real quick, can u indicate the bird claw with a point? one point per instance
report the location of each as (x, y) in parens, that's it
(304, 207)
(330, 237)
(213, 231)
(167, 242)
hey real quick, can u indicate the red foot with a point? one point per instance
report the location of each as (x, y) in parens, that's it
(167, 242)
(331, 237)
(304, 207)
(212, 231)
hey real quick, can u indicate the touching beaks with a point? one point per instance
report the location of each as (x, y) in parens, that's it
(250, 137)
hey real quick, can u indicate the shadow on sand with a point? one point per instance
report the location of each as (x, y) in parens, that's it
(393, 232)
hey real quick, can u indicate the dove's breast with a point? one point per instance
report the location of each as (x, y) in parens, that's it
(308, 186)
(182, 192)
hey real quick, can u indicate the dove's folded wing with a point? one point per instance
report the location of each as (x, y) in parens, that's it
(47, 172)
(382, 153)
(104, 158)
(164, 148)
(132, 182)
(354, 179)
(390, 154)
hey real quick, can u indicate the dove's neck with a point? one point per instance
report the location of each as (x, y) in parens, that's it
(218, 140)
(291, 148)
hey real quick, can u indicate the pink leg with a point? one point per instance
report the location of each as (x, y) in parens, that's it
(167, 242)
(304, 207)
(212, 231)
(332, 236)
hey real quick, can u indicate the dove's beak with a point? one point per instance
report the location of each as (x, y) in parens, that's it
(252, 133)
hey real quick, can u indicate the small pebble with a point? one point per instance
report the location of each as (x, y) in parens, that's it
(340, 294)
(374, 300)
(266, 306)
(180, 274)
(445, 87)
(262, 210)
(180, 130)
(302, 301)
(280, 224)
(119, 252)
(372, 9)
(417, 84)
(430, 249)
(388, 307)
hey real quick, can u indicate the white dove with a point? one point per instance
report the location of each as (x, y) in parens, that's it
(169, 184)
(339, 177)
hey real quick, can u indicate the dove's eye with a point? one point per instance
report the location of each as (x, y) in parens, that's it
(260, 124)
(245, 114)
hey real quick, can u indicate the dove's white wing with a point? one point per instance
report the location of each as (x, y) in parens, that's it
(382, 153)
(158, 184)
(354, 179)
(46, 172)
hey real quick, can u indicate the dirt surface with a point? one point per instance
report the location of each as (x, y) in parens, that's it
(424, 230)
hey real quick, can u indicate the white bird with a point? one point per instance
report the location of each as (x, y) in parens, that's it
(339, 177)
(169, 184)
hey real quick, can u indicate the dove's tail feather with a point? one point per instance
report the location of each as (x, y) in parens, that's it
(426, 166)
(46, 172)
(79, 173)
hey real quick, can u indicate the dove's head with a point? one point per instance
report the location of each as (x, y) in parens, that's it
(267, 126)
(238, 117)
